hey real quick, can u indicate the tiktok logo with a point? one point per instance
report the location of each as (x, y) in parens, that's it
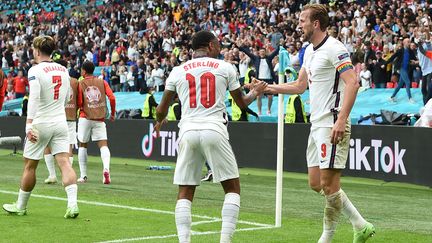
(168, 142)
(147, 142)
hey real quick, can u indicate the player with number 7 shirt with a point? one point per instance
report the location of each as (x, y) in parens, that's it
(46, 126)
(201, 85)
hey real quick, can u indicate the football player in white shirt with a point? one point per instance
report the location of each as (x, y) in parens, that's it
(201, 85)
(46, 126)
(333, 86)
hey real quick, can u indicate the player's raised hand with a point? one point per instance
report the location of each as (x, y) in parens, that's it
(158, 126)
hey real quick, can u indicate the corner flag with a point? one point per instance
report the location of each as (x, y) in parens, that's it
(285, 67)
(284, 60)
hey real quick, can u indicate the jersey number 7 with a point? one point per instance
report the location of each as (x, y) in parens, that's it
(56, 80)
(208, 90)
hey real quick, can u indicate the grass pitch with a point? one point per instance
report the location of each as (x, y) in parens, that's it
(138, 207)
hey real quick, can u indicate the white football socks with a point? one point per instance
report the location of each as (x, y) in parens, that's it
(49, 161)
(82, 160)
(23, 198)
(72, 194)
(332, 212)
(230, 212)
(106, 157)
(183, 219)
(348, 209)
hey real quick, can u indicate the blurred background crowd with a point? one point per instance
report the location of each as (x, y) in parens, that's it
(135, 44)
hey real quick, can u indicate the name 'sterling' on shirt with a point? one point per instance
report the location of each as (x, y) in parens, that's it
(201, 85)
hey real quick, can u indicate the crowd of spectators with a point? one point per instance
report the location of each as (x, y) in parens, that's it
(139, 42)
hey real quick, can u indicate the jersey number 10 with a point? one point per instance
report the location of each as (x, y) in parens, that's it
(208, 90)
(56, 80)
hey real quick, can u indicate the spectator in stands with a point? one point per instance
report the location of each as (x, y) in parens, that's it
(131, 78)
(158, 77)
(113, 34)
(20, 85)
(365, 77)
(404, 59)
(379, 72)
(114, 78)
(369, 55)
(264, 69)
(243, 67)
(122, 73)
(425, 65)
(105, 76)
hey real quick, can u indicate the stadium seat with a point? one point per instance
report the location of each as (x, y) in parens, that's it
(390, 85)
(414, 85)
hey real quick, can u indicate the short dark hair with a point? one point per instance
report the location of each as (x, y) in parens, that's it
(318, 12)
(202, 39)
(88, 66)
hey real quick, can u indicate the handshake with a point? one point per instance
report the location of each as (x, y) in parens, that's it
(258, 86)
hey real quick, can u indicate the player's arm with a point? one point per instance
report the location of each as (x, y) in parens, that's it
(343, 65)
(297, 87)
(112, 100)
(167, 98)
(351, 88)
(162, 109)
(33, 105)
(79, 97)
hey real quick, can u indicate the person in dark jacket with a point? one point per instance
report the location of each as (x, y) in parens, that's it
(404, 60)
(379, 71)
(264, 70)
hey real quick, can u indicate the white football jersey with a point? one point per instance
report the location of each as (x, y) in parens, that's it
(54, 83)
(201, 85)
(323, 65)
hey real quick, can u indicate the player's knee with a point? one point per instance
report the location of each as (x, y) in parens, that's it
(30, 165)
(315, 186)
(329, 188)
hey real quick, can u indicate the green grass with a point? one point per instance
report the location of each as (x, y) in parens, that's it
(400, 212)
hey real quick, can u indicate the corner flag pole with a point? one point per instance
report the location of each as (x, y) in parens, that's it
(283, 63)
(279, 167)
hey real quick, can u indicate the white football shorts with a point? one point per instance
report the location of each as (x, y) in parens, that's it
(72, 132)
(95, 129)
(53, 135)
(198, 146)
(320, 152)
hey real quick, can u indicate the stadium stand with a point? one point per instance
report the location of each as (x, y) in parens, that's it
(144, 33)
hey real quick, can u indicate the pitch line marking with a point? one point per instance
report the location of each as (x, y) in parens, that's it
(173, 236)
(215, 219)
